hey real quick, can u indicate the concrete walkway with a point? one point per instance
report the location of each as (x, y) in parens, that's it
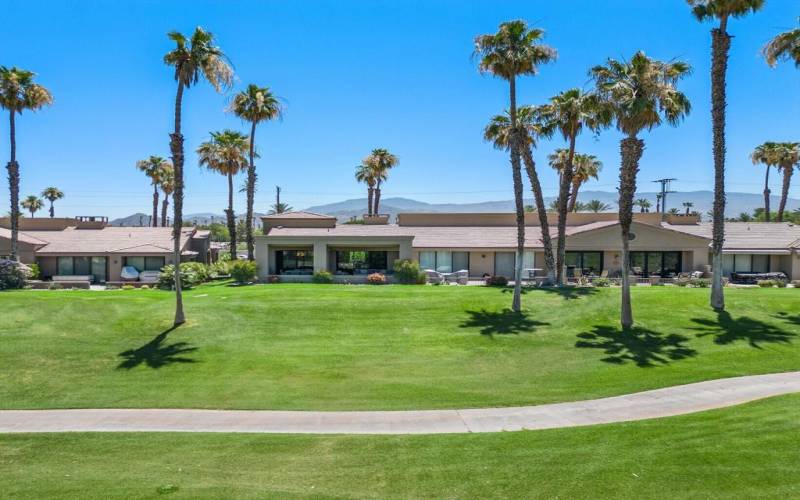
(666, 402)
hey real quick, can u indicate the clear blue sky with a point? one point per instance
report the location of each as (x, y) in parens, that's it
(359, 75)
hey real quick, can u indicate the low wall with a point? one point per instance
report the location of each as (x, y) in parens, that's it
(337, 278)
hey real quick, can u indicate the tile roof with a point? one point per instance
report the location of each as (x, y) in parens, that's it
(298, 215)
(127, 240)
(24, 238)
(748, 235)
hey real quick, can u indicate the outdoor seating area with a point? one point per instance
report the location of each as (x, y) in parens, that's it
(754, 278)
(439, 278)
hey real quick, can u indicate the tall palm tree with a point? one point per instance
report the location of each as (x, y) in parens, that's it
(153, 168)
(380, 161)
(226, 154)
(584, 167)
(167, 186)
(688, 206)
(514, 51)
(193, 58)
(597, 206)
(721, 10)
(673, 211)
(365, 174)
(784, 47)
(643, 204)
(52, 194)
(255, 105)
(765, 154)
(279, 207)
(32, 204)
(498, 132)
(569, 113)
(642, 95)
(18, 93)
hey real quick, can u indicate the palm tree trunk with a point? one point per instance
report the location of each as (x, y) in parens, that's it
(164, 205)
(787, 180)
(231, 217)
(176, 148)
(766, 195)
(52, 209)
(155, 205)
(251, 193)
(516, 171)
(370, 197)
(631, 150)
(563, 193)
(720, 45)
(541, 209)
(573, 198)
(377, 198)
(13, 187)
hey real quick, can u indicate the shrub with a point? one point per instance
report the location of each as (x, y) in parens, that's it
(408, 272)
(602, 282)
(127, 287)
(273, 278)
(13, 274)
(218, 269)
(496, 281)
(796, 283)
(322, 278)
(55, 286)
(36, 272)
(189, 278)
(198, 268)
(700, 282)
(243, 271)
(681, 283)
(376, 279)
(144, 287)
(771, 283)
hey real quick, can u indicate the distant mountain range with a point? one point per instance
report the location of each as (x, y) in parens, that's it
(344, 210)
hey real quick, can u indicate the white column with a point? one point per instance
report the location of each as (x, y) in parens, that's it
(262, 259)
(320, 256)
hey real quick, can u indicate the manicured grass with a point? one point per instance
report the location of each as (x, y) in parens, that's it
(364, 347)
(749, 451)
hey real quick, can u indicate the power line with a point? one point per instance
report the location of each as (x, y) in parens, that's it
(665, 190)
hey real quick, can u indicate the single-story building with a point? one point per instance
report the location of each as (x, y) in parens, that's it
(298, 243)
(88, 246)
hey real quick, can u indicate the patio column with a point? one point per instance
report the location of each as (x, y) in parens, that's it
(262, 259)
(405, 250)
(320, 256)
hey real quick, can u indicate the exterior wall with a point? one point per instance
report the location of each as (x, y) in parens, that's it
(270, 222)
(481, 263)
(531, 219)
(202, 246)
(47, 266)
(25, 251)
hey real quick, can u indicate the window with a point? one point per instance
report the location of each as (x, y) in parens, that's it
(65, 267)
(744, 263)
(82, 266)
(361, 261)
(760, 263)
(294, 261)
(588, 262)
(528, 260)
(652, 264)
(145, 263)
(135, 262)
(444, 261)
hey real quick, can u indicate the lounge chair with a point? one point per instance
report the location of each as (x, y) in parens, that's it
(433, 277)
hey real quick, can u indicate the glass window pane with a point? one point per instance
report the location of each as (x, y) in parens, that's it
(460, 261)
(504, 264)
(742, 264)
(528, 260)
(153, 263)
(444, 262)
(83, 266)
(427, 260)
(572, 259)
(592, 262)
(376, 261)
(654, 263)
(135, 262)
(638, 263)
(727, 264)
(99, 268)
(760, 263)
(65, 267)
(672, 264)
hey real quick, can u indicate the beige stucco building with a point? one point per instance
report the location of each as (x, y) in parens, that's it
(297, 244)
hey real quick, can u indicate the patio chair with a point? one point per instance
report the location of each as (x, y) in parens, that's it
(462, 277)
(604, 273)
(433, 277)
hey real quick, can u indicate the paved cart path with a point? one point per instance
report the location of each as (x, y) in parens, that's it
(665, 402)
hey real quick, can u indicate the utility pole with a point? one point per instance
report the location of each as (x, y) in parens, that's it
(665, 190)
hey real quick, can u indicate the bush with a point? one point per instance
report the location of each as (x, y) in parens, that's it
(322, 278)
(127, 287)
(243, 271)
(681, 283)
(36, 272)
(189, 278)
(496, 281)
(13, 274)
(218, 269)
(144, 287)
(55, 286)
(700, 282)
(198, 268)
(796, 283)
(376, 279)
(771, 283)
(408, 272)
(602, 282)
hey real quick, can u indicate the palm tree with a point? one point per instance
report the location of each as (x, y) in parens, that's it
(580, 207)
(32, 204)
(659, 196)
(688, 206)
(721, 10)
(765, 155)
(784, 47)
(254, 105)
(514, 51)
(52, 194)
(569, 112)
(784, 156)
(498, 132)
(643, 204)
(642, 95)
(153, 168)
(193, 58)
(279, 208)
(597, 206)
(226, 154)
(380, 161)
(365, 174)
(167, 185)
(673, 211)
(18, 93)
(584, 167)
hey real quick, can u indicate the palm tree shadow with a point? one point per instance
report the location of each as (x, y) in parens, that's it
(155, 354)
(567, 292)
(505, 322)
(727, 330)
(637, 345)
(795, 319)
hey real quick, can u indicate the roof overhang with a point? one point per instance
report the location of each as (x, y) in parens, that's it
(757, 251)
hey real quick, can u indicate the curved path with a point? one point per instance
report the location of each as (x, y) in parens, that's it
(666, 402)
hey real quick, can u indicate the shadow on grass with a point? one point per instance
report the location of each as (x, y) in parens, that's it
(505, 322)
(155, 354)
(567, 292)
(793, 319)
(637, 345)
(727, 330)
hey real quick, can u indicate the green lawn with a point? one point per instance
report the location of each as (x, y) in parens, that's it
(361, 347)
(749, 451)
